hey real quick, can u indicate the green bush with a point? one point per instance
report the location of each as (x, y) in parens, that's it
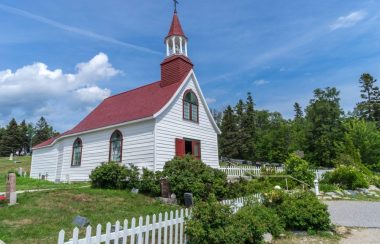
(256, 219)
(274, 198)
(211, 222)
(299, 169)
(346, 177)
(113, 175)
(303, 211)
(150, 182)
(188, 174)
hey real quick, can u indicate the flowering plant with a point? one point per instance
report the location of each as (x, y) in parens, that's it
(3, 200)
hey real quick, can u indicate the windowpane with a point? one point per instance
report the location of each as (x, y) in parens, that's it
(77, 153)
(116, 147)
(186, 110)
(194, 113)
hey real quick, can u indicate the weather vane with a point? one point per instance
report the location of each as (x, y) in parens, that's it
(175, 5)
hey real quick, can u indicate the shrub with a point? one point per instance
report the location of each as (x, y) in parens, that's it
(346, 177)
(303, 211)
(299, 169)
(150, 182)
(256, 219)
(188, 174)
(212, 222)
(274, 198)
(113, 175)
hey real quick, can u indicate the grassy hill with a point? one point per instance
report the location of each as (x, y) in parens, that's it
(39, 216)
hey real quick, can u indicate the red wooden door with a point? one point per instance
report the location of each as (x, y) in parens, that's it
(179, 147)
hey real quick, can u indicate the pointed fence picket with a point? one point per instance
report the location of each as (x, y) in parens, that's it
(145, 232)
(246, 170)
(238, 203)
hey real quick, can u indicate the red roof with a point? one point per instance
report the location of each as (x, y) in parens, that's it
(139, 103)
(176, 28)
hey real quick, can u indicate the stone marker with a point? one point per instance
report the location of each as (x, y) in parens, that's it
(81, 221)
(165, 188)
(134, 190)
(11, 157)
(68, 179)
(188, 197)
(11, 189)
(19, 171)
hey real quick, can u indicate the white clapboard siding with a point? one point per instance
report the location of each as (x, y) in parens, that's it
(150, 230)
(246, 170)
(138, 149)
(44, 161)
(171, 125)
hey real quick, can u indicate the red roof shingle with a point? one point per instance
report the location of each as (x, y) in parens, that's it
(176, 28)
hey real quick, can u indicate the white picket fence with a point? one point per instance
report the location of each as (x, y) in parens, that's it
(238, 203)
(245, 170)
(168, 228)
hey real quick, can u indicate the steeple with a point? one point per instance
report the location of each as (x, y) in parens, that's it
(176, 41)
(176, 64)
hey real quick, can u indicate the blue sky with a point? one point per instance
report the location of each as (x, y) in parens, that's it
(60, 58)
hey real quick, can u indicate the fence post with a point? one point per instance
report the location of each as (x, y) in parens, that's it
(61, 237)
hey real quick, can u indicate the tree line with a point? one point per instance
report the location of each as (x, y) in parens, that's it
(322, 132)
(20, 138)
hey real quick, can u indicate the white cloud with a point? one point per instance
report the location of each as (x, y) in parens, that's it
(348, 20)
(35, 90)
(261, 82)
(210, 100)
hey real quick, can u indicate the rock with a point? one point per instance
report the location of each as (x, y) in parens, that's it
(327, 198)
(373, 188)
(277, 187)
(363, 190)
(167, 200)
(1, 242)
(268, 238)
(336, 197)
(81, 221)
(330, 193)
(353, 193)
(339, 193)
(347, 192)
(173, 196)
(341, 230)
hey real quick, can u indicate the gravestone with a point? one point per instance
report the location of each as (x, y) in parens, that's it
(81, 221)
(11, 189)
(134, 190)
(11, 157)
(165, 188)
(19, 171)
(188, 198)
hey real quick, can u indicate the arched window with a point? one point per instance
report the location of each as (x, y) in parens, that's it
(190, 106)
(116, 146)
(76, 158)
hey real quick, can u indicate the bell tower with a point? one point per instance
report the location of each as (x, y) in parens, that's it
(176, 64)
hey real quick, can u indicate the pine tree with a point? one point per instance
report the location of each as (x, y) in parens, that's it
(298, 111)
(24, 138)
(43, 131)
(228, 138)
(369, 108)
(11, 139)
(324, 129)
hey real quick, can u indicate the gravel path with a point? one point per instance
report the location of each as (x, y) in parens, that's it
(362, 236)
(355, 213)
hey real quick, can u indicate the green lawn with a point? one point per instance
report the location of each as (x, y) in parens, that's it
(38, 217)
(26, 183)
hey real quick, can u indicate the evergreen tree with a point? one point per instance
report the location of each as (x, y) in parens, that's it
(298, 111)
(11, 139)
(24, 139)
(241, 140)
(228, 138)
(324, 128)
(369, 108)
(43, 131)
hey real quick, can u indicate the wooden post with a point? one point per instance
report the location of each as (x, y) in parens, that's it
(11, 189)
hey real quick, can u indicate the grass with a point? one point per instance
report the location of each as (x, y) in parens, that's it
(26, 183)
(39, 216)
